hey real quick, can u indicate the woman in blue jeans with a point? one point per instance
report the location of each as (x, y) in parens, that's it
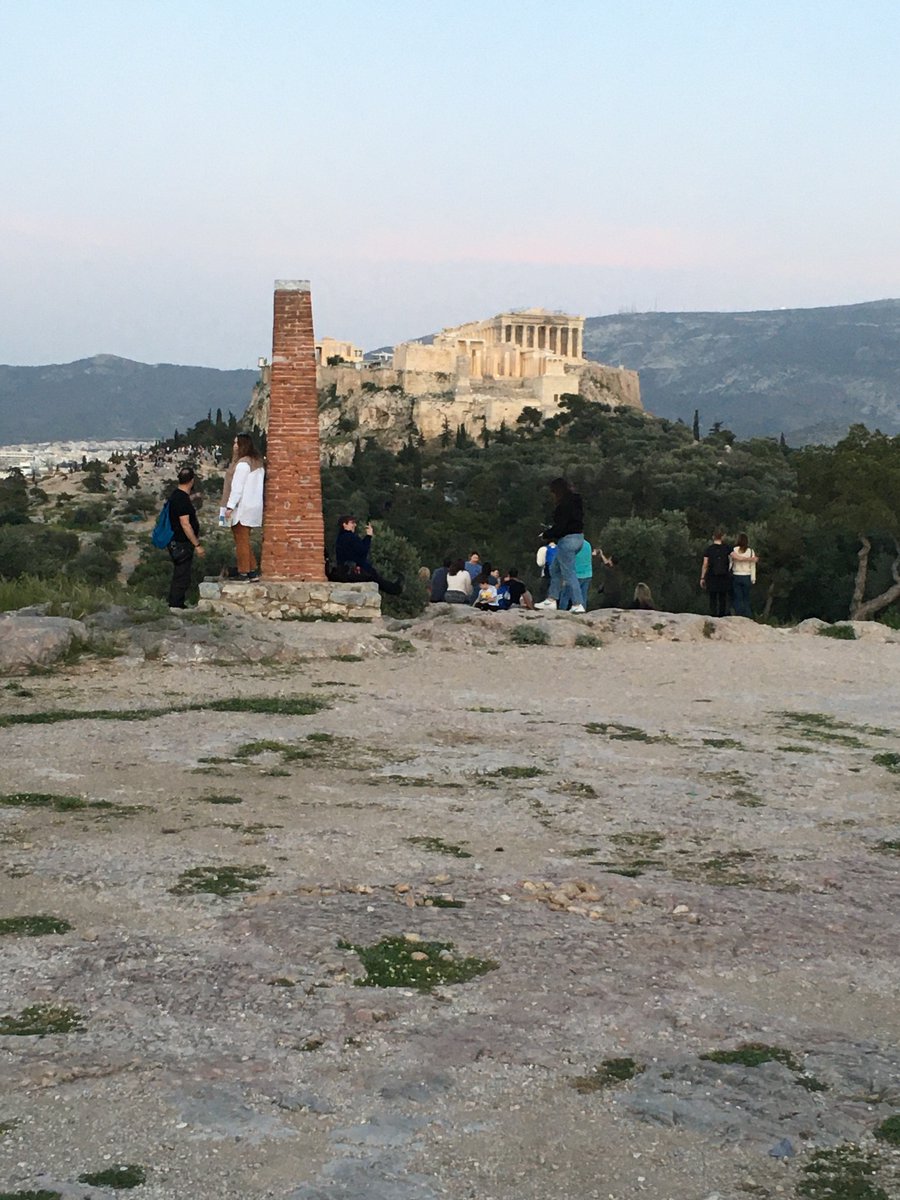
(567, 530)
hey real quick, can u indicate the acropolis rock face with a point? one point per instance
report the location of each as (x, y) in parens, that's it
(479, 375)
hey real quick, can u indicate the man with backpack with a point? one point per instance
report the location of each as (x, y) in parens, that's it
(715, 574)
(185, 537)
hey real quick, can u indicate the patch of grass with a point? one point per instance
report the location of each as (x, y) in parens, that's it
(398, 962)
(796, 749)
(43, 1194)
(296, 706)
(439, 846)
(347, 658)
(888, 846)
(889, 1130)
(481, 708)
(401, 645)
(65, 803)
(32, 926)
(529, 635)
(842, 1173)
(572, 787)
(442, 902)
(220, 881)
(822, 727)
(610, 1072)
(644, 839)
(282, 981)
(889, 760)
(588, 641)
(753, 1054)
(723, 743)
(625, 733)
(120, 1176)
(40, 1020)
(217, 799)
(709, 628)
(520, 772)
(7, 1127)
(845, 633)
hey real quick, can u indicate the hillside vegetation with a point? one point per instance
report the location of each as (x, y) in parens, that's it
(824, 520)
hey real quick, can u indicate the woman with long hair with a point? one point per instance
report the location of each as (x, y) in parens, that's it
(743, 573)
(243, 499)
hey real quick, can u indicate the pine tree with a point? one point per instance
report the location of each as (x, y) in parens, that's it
(696, 424)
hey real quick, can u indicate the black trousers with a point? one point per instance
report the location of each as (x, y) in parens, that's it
(181, 580)
(718, 604)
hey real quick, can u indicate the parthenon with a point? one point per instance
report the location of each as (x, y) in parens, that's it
(520, 344)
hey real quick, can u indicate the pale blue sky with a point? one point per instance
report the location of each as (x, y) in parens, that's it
(425, 162)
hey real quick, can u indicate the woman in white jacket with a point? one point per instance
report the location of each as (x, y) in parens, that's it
(244, 502)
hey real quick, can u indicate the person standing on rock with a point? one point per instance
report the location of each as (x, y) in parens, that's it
(243, 499)
(715, 574)
(567, 531)
(743, 574)
(185, 537)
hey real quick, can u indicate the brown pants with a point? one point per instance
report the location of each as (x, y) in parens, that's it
(246, 559)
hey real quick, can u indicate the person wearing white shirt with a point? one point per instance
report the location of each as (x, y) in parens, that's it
(244, 503)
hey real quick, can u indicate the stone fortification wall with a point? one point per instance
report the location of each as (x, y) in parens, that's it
(390, 404)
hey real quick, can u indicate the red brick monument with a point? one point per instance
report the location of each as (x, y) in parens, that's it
(293, 534)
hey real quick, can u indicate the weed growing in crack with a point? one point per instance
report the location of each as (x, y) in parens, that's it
(625, 733)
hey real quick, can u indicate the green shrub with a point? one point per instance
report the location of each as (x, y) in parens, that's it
(529, 635)
(37, 550)
(844, 633)
(394, 556)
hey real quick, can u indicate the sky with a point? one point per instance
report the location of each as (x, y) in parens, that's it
(427, 162)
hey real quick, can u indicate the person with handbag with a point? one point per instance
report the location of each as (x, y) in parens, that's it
(185, 537)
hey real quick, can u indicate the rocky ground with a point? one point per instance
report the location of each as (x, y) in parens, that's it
(584, 867)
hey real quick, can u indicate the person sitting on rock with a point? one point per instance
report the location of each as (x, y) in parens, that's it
(351, 553)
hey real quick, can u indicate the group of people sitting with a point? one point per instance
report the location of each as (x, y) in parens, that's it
(472, 582)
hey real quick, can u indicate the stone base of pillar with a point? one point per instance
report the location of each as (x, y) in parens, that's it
(285, 600)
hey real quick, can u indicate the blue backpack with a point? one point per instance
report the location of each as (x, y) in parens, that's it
(162, 530)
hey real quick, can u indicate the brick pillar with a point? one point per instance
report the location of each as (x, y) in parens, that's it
(293, 532)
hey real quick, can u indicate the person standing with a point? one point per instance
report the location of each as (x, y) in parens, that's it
(715, 574)
(244, 502)
(743, 574)
(185, 537)
(584, 569)
(567, 530)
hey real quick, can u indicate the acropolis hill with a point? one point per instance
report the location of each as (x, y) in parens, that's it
(475, 376)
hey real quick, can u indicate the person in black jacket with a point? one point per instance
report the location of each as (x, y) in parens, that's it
(185, 541)
(352, 553)
(567, 530)
(715, 574)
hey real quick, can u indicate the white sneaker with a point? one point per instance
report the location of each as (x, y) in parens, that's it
(548, 603)
(579, 608)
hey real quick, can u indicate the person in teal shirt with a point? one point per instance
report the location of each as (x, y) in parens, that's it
(585, 571)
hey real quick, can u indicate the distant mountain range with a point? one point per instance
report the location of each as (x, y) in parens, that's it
(809, 373)
(108, 397)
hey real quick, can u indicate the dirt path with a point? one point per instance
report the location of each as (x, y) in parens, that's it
(653, 859)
